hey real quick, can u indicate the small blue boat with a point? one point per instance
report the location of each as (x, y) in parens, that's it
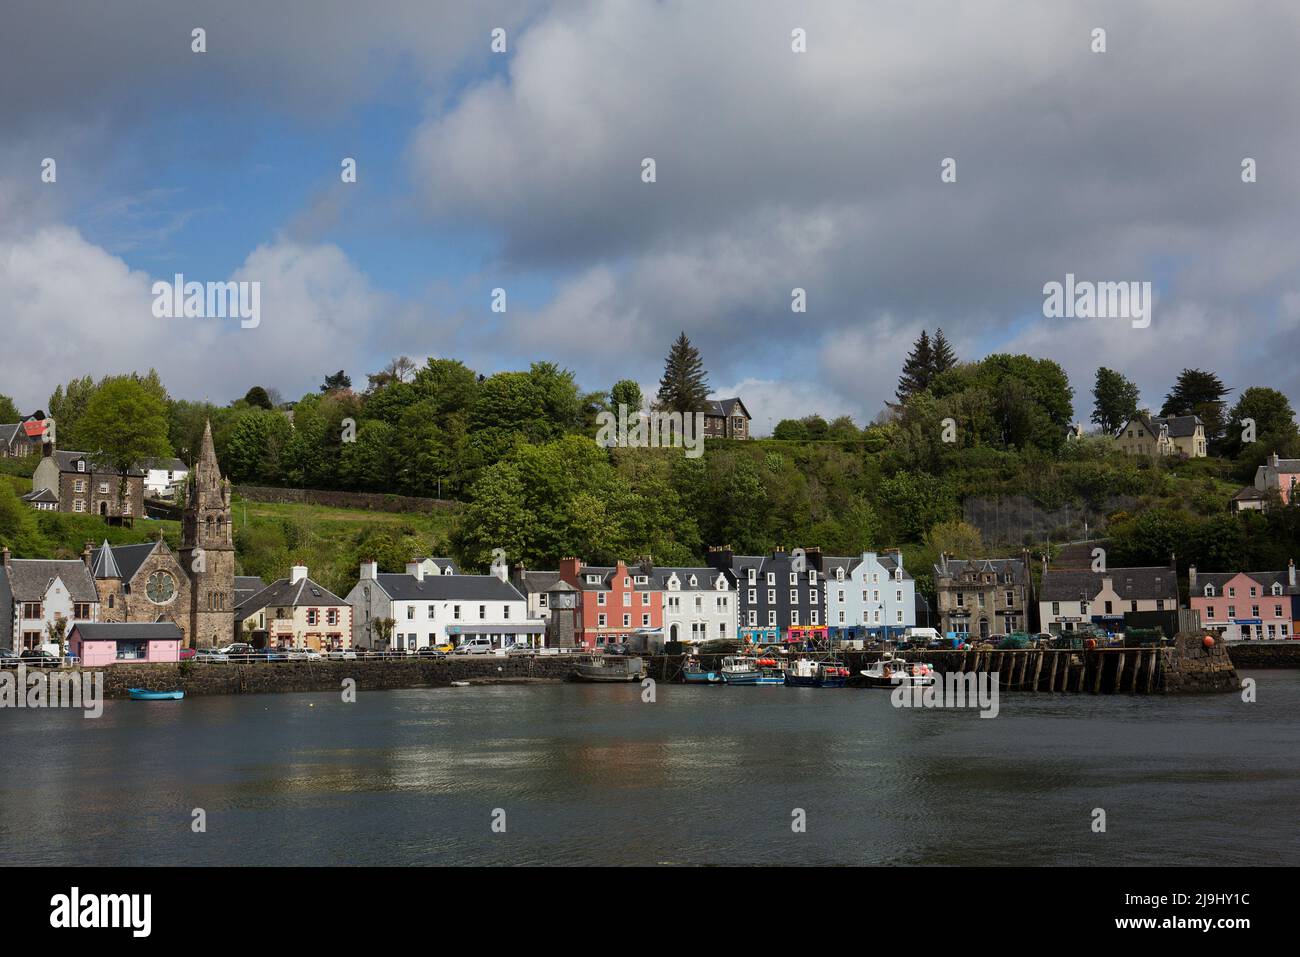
(694, 674)
(143, 694)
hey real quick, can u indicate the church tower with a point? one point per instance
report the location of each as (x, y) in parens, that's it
(208, 550)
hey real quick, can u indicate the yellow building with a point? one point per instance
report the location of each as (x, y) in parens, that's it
(1145, 434)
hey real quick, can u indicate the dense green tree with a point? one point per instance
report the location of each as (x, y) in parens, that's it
(66, 407)
(257, 396)
(942, 357)
(335, 382)
(8, 411)
(1262, 422)
(1197, 392)
(918, 368)
(626, 392)
(124, 423)
(685, 385)
(790, 430)
(1115, 400)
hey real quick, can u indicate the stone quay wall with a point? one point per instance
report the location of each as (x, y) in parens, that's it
(1265, 654)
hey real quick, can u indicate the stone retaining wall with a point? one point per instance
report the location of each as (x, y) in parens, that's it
(1265, 654)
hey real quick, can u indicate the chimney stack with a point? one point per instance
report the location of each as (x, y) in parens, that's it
(369, 570)
(1191, 580)
(86, 553)
(4, 556)
(416, 570)
(1290, 572)
(500, 570)
(297, 574)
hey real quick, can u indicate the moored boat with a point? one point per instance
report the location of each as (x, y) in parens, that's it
(806, 673)
(892, 671)
(746, 670)
(610, 669)
(144, 694)
(693, 673)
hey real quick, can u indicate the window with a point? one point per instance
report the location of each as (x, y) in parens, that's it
(812, 577)
(313, 616)
(79, 485)
(79, 505)
(771, 578)
(898, 594)
(31, 609)
(752, 573)
(645, 599)
(81, 466)
(82, 610)
(1011, 598)
(541, 600)
(771, 596)
(753, 595)
(1160, 604)
(794, 596)
(627, 599)
(794, 617)
(645, 621)
(103, 488)
(1254, 592)
(455, 612)
(505, 612)
(1132, 606)
(814, 617)
(753, 619)
(600, 598)
(771, 618)
(332, 616)
(627, 621)
(600, 621)
(410, 613)
(1232, 611)
(1056, 608)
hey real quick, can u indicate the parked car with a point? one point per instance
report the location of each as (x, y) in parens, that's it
(475, 646)
(617, 648)
(519, 648)
(446, 647)
(7, 657)
(430, 651)
(188, 653)
(341, 654)
(39, 658)
(268, 654)
(211, 655)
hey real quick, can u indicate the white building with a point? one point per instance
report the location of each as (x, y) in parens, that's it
(35, 593)
(873, 596)
(699, 603)
(163, 478)
(437, 609)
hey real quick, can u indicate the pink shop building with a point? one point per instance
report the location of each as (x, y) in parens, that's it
(107, 643)
(1245, 605)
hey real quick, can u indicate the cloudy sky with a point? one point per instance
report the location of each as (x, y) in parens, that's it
(775, 170)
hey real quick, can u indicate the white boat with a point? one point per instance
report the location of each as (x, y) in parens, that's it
(892, 671)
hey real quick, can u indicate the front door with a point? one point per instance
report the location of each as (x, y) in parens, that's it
(984, 627)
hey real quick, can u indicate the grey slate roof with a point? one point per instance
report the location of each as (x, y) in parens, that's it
(165, 465)
(1129, 583)
(246, 586)
(1180, 426)
(606, 572)
(126, 559)
(448, 588)
(726, 407)
(128, 631)
(705, 577)
(533, 582)
(1266, 580)
(289, 594)
(67, 462)
(1016, 567)
(41, 495)
(29, 578)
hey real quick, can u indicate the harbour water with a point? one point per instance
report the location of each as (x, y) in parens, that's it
(590, 774)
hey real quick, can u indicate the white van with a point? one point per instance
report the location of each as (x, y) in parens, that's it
(474, 646)
(921, 634)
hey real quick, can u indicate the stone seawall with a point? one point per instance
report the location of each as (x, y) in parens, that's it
(1265, 654)
(202, 678)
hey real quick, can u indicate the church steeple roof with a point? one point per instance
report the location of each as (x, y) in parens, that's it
(207, 451)
(105, 565)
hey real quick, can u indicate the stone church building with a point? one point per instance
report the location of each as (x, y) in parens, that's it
(195, 589)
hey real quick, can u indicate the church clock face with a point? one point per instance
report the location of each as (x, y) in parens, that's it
(160, 588)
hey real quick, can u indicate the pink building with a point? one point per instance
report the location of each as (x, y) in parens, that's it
(1245, 605)
(1279, 474)
(108, 643)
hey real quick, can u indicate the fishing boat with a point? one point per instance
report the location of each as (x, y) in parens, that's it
(694, 673)
(610, 669)
(144, 694)
(892, 671)
(746, 670)
(807, 673)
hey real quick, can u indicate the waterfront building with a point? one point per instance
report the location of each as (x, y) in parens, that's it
(295, 612)
(1071, 598)
(37, 594)
(420, 610)
(869, 597)
(1246, 605)
(699, 602)
(107, 643)
(774, 592)
(140, 583)
(535, 586)
(983, 598)
(615, 603)
(20, 439)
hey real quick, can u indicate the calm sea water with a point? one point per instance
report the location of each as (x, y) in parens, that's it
(591, 775)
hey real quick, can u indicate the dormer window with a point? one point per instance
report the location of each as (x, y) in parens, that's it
(839, 574)
(641, 579)
(812, 576)
(1277, 589)
(81, 466)
(593, 579)
(753, 573)
(1209, 591)
(694, 581)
